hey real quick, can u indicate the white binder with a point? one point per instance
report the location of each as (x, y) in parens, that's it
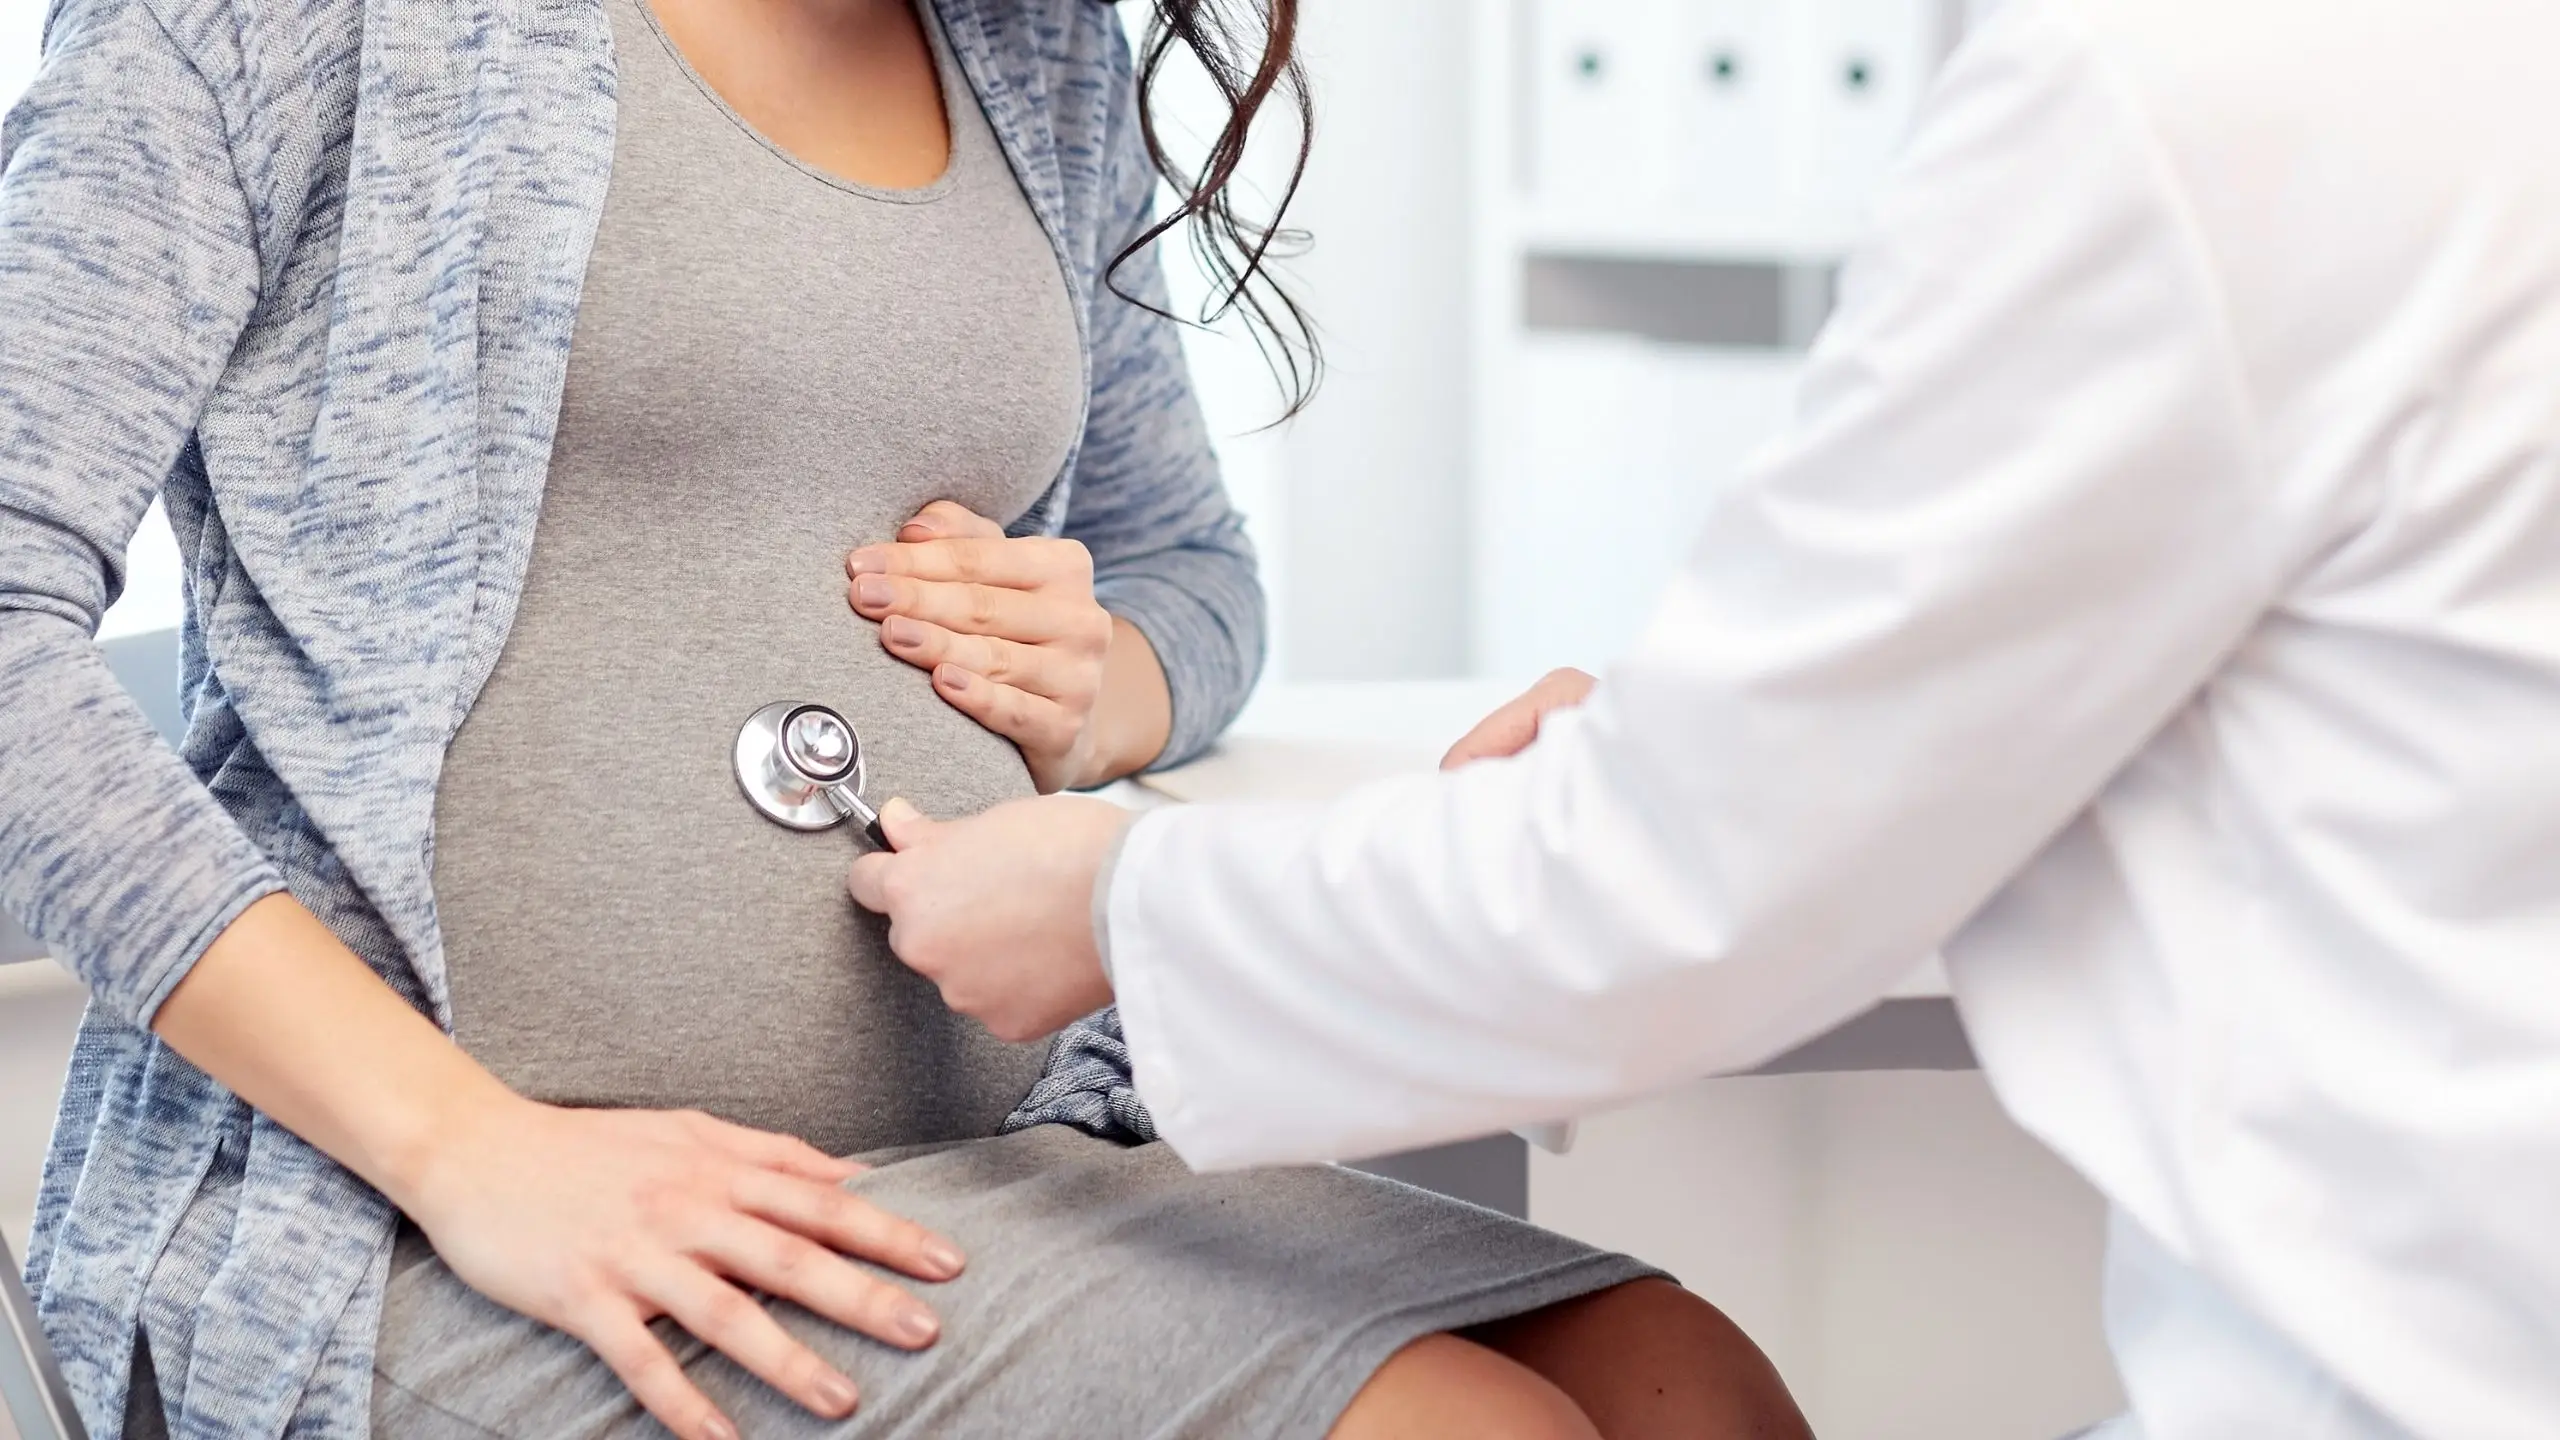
(1866, 65)
(1732, 80)
(1594, 93)
(1750, 125)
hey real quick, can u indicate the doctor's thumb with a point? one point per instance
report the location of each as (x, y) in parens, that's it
(904, 824)
(868, 881)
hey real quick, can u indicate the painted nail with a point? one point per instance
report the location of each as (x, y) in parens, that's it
(919, 1326)
(874, 589)
(835, 1393)
(944, 1258)
(903, 632)
(954, 677)
(866, 562)
(719, 1428)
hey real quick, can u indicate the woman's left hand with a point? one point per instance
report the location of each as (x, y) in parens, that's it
(1015, 640)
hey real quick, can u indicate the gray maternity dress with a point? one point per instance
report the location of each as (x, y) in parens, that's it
(771, 367)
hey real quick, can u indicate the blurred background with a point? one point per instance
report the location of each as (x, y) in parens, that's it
(1568, 254)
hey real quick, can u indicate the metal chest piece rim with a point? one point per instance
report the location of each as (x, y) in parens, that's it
(791, 755)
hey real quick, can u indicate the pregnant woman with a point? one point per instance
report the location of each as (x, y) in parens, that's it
(821, 338)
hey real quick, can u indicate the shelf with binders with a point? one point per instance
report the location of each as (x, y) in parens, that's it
(1663, 194)
(1564, 233)
(1715, 131)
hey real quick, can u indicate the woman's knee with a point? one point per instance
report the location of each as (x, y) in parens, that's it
(1648, 1358)
(1441, 1385)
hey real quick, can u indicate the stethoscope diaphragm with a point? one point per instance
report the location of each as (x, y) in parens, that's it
(801, 765)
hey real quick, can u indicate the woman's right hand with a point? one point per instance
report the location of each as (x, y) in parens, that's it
(596, 1222)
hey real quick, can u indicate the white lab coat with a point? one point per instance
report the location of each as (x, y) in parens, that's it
(2155, 604)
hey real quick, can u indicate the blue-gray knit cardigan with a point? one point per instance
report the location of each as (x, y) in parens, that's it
(309, 268)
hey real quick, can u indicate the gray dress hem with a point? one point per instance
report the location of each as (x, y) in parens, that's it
(1111, 1292)
(1334, 1382)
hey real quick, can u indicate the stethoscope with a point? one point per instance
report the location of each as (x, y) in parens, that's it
(801, 765)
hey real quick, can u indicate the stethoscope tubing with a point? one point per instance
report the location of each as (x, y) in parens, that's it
(860, 812)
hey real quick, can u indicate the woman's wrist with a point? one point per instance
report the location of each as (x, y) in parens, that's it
(1102, 876)
(428, 1158)
(1132, 717)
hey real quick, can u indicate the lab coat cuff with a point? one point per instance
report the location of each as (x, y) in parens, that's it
(1154, 1070)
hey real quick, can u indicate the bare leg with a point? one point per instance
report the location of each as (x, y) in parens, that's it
(1442, 1386)
(1648, 1359)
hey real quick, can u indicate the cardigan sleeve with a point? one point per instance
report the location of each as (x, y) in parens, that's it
(128, 270)
(1169, 550)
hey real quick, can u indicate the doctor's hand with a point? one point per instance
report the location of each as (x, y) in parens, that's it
(997, 909)
(1511, 729)
(1015, 640)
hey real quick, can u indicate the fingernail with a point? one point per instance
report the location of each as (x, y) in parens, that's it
(903, 632)
(873, 589)
(836, 1393)
(919, 1326)
(944, 1257)
(719, 1428)
(953, 677)
(866, 562)
(900, 810)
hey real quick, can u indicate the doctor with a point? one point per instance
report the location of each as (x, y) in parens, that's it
(2155, 604)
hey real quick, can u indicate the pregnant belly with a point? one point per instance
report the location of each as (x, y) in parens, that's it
(621, 928)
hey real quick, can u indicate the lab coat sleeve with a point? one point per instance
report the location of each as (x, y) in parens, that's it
(2014, 524)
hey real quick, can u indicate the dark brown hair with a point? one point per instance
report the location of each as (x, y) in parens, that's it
(1249, 49)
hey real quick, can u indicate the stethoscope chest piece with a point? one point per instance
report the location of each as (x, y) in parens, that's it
(801, 765)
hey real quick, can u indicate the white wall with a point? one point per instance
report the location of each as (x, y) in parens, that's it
(1359, 505)
(21, 23)
(1376, 563)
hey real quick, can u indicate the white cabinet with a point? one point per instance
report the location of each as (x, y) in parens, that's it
(1640, 139)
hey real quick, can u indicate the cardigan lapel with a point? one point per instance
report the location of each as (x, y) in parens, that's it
(552, 122)
(484, 127)
(482, 137)
(384, 512)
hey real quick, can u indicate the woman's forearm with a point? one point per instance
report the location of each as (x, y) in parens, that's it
(1133, 715)
(592, 1221)
(283, 1013)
